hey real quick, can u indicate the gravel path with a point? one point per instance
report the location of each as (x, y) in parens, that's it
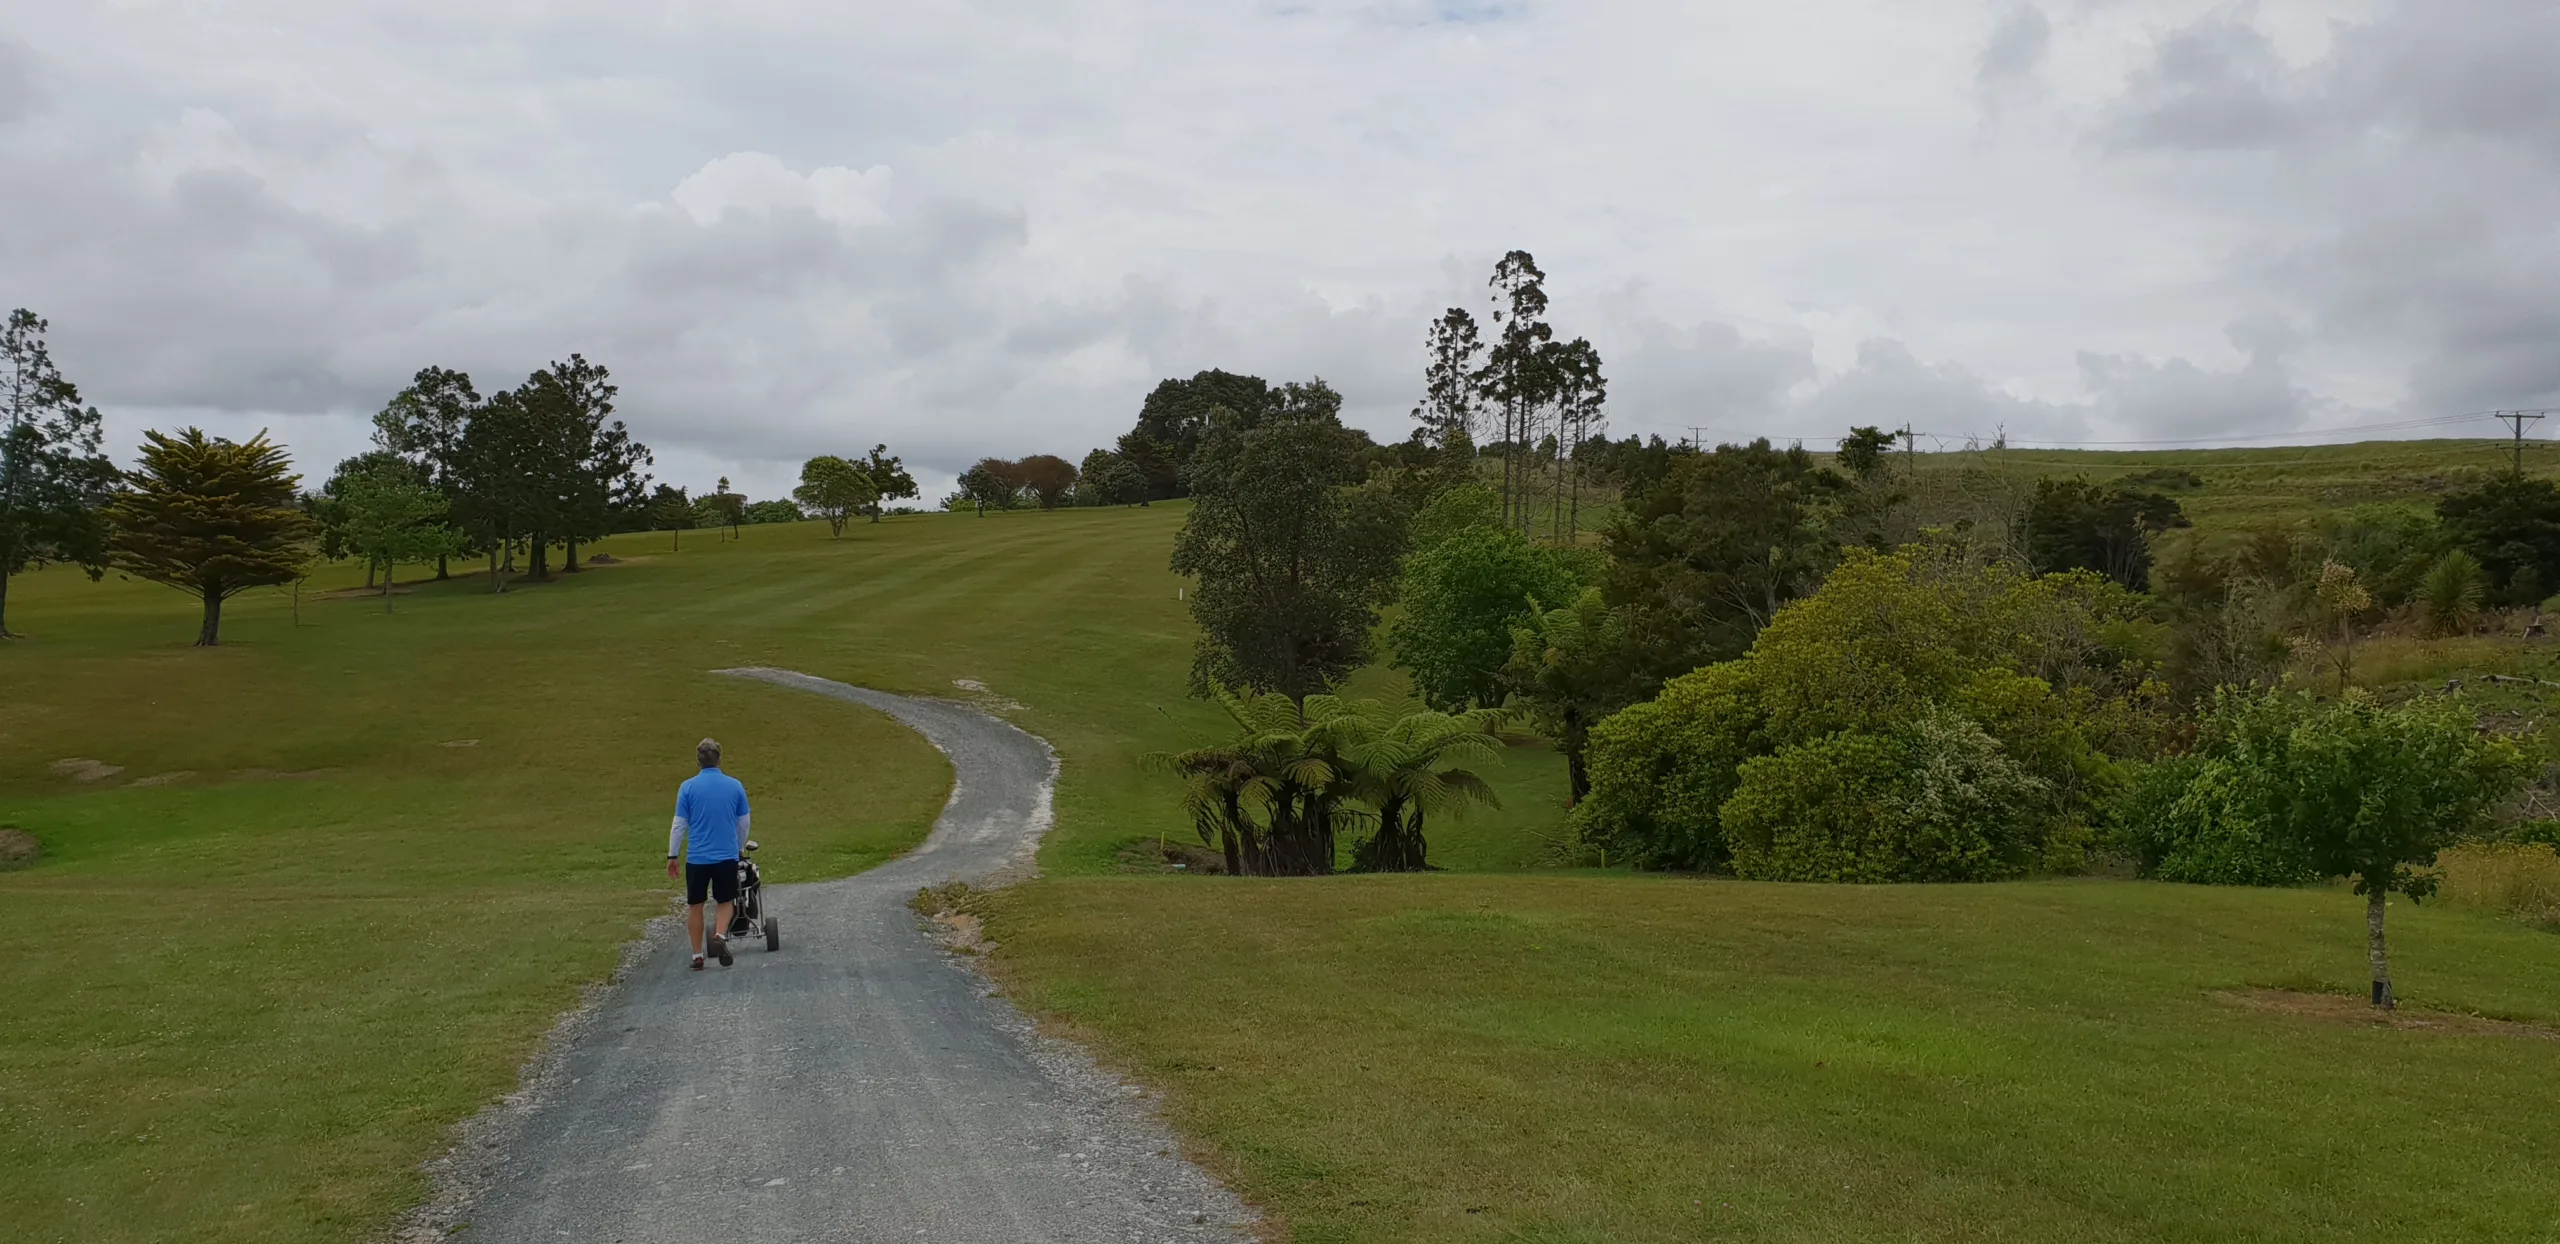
(858, 1085)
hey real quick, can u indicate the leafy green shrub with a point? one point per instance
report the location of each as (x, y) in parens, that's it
(1660, 770)
(1941, 801)
(1986, 701)
(2203, 817)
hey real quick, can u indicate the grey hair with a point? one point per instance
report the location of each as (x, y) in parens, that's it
(708, 752)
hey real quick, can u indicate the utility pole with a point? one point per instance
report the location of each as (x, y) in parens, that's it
(2517, 419)
(1910, 451)
(1697, 438)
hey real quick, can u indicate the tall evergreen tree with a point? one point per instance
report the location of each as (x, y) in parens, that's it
(54, 484)
(590, 465)
(1515, 377)
(1450, 400)
(425, 423)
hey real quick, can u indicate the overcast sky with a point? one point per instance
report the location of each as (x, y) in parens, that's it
(970, 228)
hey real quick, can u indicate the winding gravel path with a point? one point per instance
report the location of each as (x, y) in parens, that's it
(858, 1085)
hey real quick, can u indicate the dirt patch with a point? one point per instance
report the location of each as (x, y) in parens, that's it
(1172, 857)
(950, 917)
(459, 743)
(18, 849)
(160, 779)
(2341, 1009)
(983, 697)
(280, 775)
(80, 769)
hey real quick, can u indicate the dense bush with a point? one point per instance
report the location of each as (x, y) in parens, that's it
(2390, 547)
(1925, 715)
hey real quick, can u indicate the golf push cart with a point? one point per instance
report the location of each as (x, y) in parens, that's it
(748, 917)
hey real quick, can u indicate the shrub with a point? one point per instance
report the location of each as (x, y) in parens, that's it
(1987, 699)
(1941, 801)
(2452, 593)
(2202, 817)
(1660, 770)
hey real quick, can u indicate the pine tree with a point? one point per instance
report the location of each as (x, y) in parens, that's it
(211, 518)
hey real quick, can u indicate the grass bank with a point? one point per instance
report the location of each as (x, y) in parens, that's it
(1598, 1058)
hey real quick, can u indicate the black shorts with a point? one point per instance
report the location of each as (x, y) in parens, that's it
(720, 879)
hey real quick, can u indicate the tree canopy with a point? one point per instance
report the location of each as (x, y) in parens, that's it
(1174, 421)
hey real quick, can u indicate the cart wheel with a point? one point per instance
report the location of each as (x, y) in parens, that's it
(772, 933)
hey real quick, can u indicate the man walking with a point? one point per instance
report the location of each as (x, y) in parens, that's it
(711, 822)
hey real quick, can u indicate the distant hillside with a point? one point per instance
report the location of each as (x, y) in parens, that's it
(2245, 489)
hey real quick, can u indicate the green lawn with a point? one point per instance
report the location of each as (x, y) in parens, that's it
(265, 966)
(1597, 1058)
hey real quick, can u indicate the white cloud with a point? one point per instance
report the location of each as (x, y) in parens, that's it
(755, 182)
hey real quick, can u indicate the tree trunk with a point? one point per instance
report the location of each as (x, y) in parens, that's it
(569, 563)
(1235, 856)
(443, 570)
(496, 584)
(386, 586)
(211, 635)
(369, 567)
(4, 602)
(538, 558)
(2373, 902)
(1577, 766)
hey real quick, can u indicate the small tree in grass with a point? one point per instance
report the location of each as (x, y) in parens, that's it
(835, 490)
(671, 510)
(2372, 794)
(391, 518)
(211, 518)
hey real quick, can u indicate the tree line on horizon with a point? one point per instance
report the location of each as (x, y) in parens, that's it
(507, 476)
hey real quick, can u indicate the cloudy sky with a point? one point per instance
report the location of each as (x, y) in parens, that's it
(988, 226)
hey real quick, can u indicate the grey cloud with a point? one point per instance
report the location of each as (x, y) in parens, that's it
(2210, 86)
(2015, 53)
(2394, 196)
(2174, 397)
(1664, 378)
(1891, 387)
(18, 94)
(2484, 71)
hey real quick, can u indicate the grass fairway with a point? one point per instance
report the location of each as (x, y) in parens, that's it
(262, 968)
(1595, 1058)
